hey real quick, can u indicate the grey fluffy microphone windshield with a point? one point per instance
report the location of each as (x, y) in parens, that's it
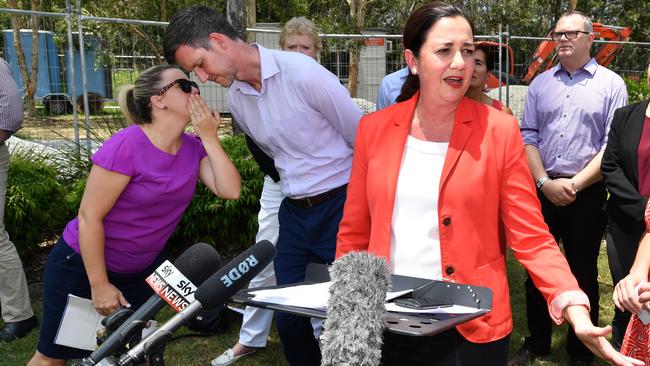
(355, 311)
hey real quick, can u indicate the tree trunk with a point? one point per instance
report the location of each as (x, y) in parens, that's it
(29, 78)
(163, 10)
(236, 17)
(30, 105)
(358, 16)
(353, 80)
(251, 18)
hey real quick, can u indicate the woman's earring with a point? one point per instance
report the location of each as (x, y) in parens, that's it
(414, 71)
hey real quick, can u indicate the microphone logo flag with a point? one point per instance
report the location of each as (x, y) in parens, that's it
(242, 268)
(172, 286)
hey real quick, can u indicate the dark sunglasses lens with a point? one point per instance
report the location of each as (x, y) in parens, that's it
(186, 85)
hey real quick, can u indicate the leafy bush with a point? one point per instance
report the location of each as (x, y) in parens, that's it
(637, 90)
(35, 208)
(229, 225)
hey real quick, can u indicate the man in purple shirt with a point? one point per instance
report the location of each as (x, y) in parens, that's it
(300, 115)
(567, 115)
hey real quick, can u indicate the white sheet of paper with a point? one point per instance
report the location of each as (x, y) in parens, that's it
(455, 309)
(314, 296)
(79, 325)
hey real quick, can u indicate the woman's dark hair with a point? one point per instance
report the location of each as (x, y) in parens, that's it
(415, 34)
(489, 54)
(135, 100)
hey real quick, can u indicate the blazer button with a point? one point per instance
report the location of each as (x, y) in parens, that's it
(446, 221)
(449, 270)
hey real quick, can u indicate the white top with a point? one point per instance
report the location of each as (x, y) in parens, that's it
(415, 239)
(302, 117)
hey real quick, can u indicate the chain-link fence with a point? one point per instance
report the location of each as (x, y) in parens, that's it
(83, 61)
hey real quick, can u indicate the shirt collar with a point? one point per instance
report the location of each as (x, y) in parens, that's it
(268, 68)
(589, 67)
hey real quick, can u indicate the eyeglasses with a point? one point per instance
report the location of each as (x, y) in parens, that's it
(185, 85)
(568, 34)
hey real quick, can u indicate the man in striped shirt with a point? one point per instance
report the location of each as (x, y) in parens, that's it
(17, 311)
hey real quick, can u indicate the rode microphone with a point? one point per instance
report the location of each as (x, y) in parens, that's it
(354, 326)
(197, 263)
(214, 292)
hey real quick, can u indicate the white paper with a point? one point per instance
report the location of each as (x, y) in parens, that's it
(313, 296)
(454, 309)
(79, 325)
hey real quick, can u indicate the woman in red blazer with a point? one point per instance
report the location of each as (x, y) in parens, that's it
(483, 177)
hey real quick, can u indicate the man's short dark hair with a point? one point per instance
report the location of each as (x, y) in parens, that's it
(192, 27)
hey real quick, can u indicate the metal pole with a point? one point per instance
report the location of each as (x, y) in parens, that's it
(84, 84)
(73, 88)
(500, 58)
(508, 65)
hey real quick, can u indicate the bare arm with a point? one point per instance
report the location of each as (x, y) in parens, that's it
(217, 170)
(590, 174)
(626, 294)
(102, 190)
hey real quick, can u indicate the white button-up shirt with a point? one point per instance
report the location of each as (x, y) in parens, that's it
(302, 117)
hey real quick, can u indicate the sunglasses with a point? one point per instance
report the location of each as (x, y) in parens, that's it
(568, 34)
(185, 85)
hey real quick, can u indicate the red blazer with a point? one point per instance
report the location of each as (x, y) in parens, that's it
(485, 177)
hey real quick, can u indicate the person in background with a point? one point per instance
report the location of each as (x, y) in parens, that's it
(632, 293)
(17, 312)
(300, 115)
(567, 115)
(431, 179)
(390, 87)
(483, 65)
(142, 180)
(297, 35)
(626, 168)
(300, 35)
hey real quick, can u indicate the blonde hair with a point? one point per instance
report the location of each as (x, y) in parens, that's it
(135, 99)
(300, 26)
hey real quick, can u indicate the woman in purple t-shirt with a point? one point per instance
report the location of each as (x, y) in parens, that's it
(142, 180)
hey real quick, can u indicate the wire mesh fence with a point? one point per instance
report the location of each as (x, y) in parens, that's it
(94, 57)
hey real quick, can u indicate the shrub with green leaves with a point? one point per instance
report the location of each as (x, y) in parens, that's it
(230, 225)
(637, 90)
(35, 208)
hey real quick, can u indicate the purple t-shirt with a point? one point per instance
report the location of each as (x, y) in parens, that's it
(144, 216)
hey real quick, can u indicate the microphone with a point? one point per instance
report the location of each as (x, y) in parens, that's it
(197, 263)
(214, 292)
(354, 326)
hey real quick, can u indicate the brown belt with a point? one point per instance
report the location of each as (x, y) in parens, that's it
(309, 202)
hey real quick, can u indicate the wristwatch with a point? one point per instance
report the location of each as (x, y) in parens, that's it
(540, 182)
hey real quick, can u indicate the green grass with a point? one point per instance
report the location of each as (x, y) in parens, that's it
(200, 350)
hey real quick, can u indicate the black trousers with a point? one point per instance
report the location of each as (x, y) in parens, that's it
(446, 349)
(622, 244)
(580, 227)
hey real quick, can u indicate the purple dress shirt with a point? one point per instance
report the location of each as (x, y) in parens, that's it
(567, 117)
(302, 117)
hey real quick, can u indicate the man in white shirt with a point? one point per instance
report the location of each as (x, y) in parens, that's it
(300, 115)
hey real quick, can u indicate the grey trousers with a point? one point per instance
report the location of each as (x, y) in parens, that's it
(14, 296)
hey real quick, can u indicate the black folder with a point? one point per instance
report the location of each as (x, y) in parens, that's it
(401, 323)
